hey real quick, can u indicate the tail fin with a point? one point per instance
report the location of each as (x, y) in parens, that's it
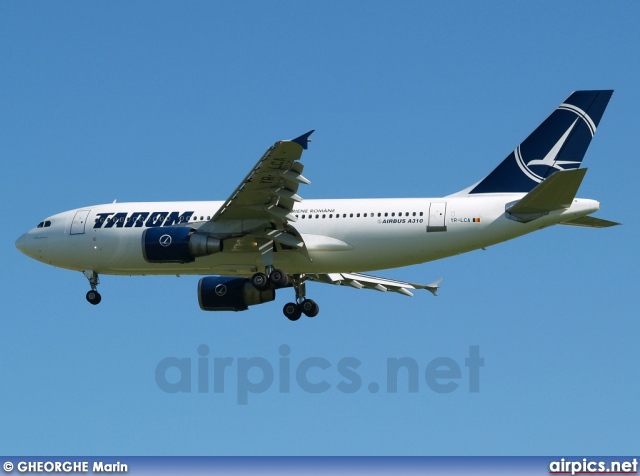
(559, 143)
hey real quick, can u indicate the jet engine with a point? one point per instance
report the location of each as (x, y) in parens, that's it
(177, 244)
(223, 293)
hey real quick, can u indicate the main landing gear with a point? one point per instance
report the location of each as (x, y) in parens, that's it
(279, 279)
(273, 277)
(93, 296)
(293, 310)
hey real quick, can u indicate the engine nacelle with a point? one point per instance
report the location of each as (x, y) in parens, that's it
(176, 244)
(223, 293)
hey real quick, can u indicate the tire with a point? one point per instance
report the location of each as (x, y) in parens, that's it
(94, 297)
(310, 308)
(292, 311)
(278, 278)
(260, 281)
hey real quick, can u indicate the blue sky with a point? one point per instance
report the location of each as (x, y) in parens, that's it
(176, 101)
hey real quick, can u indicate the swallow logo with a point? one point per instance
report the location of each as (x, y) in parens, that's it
(220, 290)
(165, 240)
(549, 161)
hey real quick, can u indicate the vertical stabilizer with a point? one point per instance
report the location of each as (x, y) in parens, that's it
(559, 143)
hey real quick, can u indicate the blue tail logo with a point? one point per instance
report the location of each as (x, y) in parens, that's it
(559, 143)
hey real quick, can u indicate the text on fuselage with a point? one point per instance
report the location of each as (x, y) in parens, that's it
(141, 219)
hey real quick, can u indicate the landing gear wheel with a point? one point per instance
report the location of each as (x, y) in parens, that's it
(278, 278)
(292, 311)
(260, 281)
(94, 297)
(310, 308)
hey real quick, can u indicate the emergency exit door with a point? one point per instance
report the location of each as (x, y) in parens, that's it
(79, 222)
(437, 215)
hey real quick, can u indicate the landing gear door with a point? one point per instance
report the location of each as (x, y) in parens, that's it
(437, 214)
(79, 222)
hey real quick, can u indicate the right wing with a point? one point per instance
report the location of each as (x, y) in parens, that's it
(359, 281)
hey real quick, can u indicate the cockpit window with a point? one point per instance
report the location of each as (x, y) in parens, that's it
(40, 225)
(44, 224)
(47, 223)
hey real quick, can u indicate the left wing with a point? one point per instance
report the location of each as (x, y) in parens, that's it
(359, 281)
(263, 202)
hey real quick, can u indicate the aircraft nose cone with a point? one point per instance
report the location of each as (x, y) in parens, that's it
(21, 243)
(27, 246)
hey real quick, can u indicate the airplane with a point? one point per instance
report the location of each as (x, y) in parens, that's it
(264, 237)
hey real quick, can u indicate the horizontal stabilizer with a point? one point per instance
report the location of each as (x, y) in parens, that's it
(590, 222)
(555, 193)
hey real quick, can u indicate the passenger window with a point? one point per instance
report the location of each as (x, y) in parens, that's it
(393, 214)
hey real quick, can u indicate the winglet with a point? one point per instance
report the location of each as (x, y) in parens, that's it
(303, 139)
(433, 287)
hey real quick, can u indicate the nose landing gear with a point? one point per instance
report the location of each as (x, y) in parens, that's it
(93, 296)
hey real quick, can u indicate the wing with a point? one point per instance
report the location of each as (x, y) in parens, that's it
(359, 281)
(262, 204)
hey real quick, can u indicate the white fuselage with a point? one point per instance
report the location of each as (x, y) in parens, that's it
(342, 235)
